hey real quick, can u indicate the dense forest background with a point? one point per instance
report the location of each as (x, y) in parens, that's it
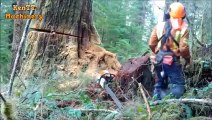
(124, 27)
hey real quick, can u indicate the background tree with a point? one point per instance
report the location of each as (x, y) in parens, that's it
(198, 14)
(17, 32)
(6, 37)
(123, 26)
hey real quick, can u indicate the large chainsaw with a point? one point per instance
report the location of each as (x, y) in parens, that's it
(104, 80)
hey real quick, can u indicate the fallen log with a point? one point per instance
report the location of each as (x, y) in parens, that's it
(97, 110)
(132, 68)
(186, 100)
(123, 85)
(138, 68)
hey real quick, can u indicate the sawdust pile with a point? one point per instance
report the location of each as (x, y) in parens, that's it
(49, 53)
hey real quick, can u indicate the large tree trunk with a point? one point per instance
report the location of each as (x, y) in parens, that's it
(17, 33)
(65, 41)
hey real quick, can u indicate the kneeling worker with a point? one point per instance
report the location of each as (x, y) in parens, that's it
(168, 42)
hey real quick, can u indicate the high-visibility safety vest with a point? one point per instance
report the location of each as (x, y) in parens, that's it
(178, 35)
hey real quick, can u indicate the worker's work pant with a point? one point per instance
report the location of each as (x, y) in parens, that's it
(176, 80)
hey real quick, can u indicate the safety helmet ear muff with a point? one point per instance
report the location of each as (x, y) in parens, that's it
(166, 15)
(185, 14)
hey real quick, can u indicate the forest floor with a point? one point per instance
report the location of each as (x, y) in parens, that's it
(83, 98)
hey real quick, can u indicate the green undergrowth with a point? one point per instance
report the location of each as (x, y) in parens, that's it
(41, 97)
(173, 110)
(202, 93)
(41, 100)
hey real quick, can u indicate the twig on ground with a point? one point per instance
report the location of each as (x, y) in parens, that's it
(3, 99)
(98, 110)
(25, 97)
(145, 99)
(196, 101)
(146, 91)
(18, 54)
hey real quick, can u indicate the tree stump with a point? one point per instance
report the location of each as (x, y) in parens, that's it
(65, 42)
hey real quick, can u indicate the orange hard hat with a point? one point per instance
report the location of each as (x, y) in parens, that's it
(177, 10)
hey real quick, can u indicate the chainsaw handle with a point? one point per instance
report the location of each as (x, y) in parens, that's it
(106, 75)
(105, 79)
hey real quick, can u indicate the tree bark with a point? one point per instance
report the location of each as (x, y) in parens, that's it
(65, 41)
